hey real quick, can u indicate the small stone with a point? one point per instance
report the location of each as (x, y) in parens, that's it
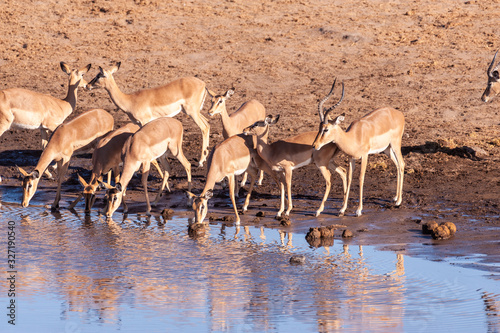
(167, 214)
(451, 226)
(347, 233)
(196, 230)
(313, 233)
(260, 214)
(428, 227)
(326, 232)
(298, 259)
(441, 232)
(285, 222)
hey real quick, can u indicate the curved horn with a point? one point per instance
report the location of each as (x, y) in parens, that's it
(492, 63)
(338, 103)
(320, 105)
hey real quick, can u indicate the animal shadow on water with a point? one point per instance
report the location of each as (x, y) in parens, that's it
(20, 157)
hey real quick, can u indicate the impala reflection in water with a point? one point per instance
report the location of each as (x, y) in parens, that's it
(82, 273)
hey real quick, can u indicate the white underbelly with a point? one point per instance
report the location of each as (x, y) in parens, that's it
(379, 150)
(306, 162)
(240, 171)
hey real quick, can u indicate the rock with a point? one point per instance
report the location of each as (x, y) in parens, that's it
(347, 233)
(326, 232)
(260, 214)
(167, 214)
(228, 218)
(451, 226)
(441, 232)
(428, 227)
(196, 230)
(285, 221)
(298, 259)
(313, 233)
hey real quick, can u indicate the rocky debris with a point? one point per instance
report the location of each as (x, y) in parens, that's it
(298, 259)
(284, 220)
(196, 230)
(429, 227)
(347, 233)
(322, 236)
(167, 214)
(445, 230)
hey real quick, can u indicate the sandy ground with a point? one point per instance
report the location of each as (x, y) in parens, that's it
(427, 59)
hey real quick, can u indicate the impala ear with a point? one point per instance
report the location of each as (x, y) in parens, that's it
(82, 181)
(209, 194)
(35, 174)
(65, 68)
(85, 69)
(115, 67)
(271, 120)
(190, 195)
(339, 119)
(105, 185)
(229, 93)
(118, 187)
(22, 171)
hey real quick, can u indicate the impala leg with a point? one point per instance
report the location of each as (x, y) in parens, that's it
(364, 162)
(352, 165)
(185, 163)
(261, 177)
(202, 123)
(44, 133)
(75, 202)
(157, 167)
(342, 173)
(253, 175)
(282, 194)
(144, 178)
(327, 175)
(231, 182)
(397, 158)
(244, 179)
(166, 174)
(288, 180)
(62, 167)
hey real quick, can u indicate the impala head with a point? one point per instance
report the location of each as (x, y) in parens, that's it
(76, 75)
(114, 197)
(327, 130)
(101, 79)
(200, 205)
(219, 102)
(88, 193)
(270, 120)
(30, 184)
(493, 87)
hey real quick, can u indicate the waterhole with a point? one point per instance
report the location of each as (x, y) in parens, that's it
(78, 274)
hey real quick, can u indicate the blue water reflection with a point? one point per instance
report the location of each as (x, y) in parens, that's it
(93, 275)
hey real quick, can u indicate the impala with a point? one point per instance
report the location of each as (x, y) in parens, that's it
(378, 131)
(229, 158)
(185, 94)
(76, 136)
(287, 155)
(157, 139)
(29, 109)
(247, 114)
(107, 157)
(493, 86)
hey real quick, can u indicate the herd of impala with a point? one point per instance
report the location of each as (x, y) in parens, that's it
(153, 135)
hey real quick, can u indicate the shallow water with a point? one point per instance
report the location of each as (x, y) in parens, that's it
(77, 274)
